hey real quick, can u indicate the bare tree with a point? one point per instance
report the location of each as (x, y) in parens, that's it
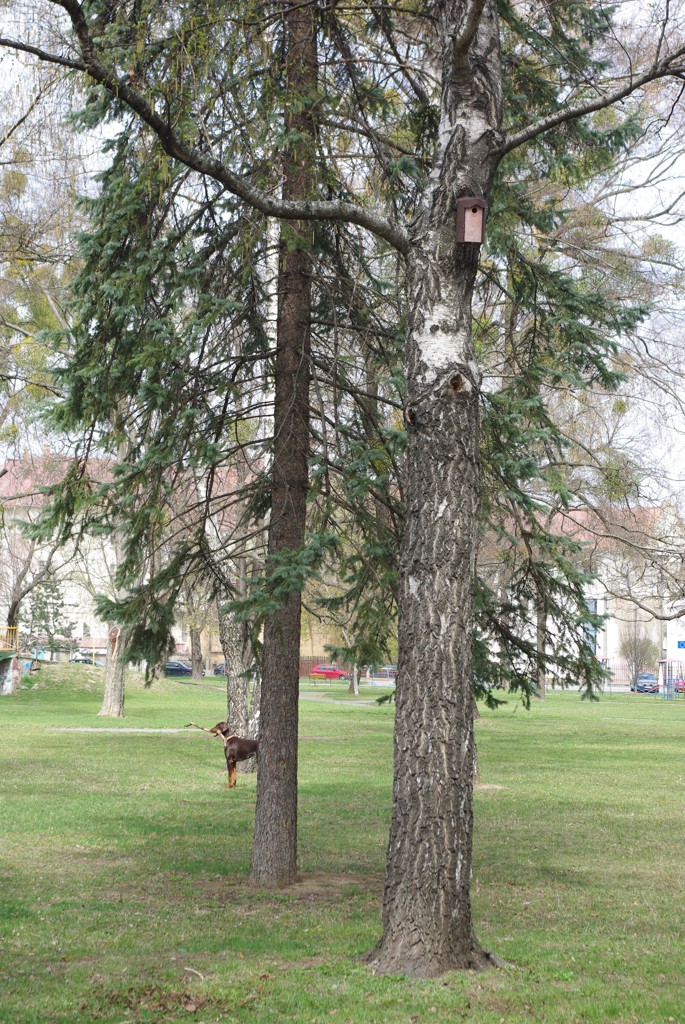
(638, 648)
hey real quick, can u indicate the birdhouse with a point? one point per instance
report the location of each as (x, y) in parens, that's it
(471, 213)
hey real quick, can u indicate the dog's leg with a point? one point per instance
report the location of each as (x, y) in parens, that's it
(232, 779)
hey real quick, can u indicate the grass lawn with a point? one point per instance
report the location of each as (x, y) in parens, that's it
(123, 861)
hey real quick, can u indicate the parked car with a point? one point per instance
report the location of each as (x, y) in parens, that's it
(220, 669)
(646, 682)
(177, 668)
(326, 672)
(86, 659)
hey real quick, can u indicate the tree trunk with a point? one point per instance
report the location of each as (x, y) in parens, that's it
(8, 678)
(540, 642)
(274, 855)
(353, 688)
(231, 635)
(254, 716)
(253, 719)
(13, 613)
(427, 926)
(195, 653)
(19, 592)
(115, 675)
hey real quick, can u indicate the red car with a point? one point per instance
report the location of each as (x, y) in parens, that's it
(326, 672)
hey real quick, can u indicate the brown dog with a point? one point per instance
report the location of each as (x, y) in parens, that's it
(236, 748)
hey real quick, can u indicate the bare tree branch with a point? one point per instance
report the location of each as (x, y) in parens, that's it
(49, 58)
(463, 41)
(203, 163)
(673, 65)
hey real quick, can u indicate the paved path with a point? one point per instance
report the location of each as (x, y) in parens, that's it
(106, 728)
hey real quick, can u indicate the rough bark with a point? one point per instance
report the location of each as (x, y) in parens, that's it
(274, 855)
(231, 635)
(353, 688)
(427, 925)
(115, 675)
(195, 652)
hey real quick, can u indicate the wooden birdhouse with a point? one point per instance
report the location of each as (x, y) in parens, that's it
(471, 213)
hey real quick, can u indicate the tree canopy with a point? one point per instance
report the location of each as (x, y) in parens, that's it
(411, 107)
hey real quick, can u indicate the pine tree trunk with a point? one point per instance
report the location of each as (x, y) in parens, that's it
(115, 675)
(353, 688)
(195, 653)
(274, 855)
(231, 635)
(427, 925)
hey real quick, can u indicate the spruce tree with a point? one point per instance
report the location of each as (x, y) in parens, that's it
(416, 109)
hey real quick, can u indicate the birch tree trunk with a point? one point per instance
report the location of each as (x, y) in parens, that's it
(274, 853)
(427, 925)
(253, 719)
(8, 679)
(540, 642)
(231, 635)
(118, 637)
(195, 652)
(254, 715)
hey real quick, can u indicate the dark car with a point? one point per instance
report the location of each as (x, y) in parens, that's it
(86, 659)
(177, 668)
(646, 682)
(326, 672)
(220, 669)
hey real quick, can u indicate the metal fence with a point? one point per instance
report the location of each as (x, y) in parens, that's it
(619, 674)
(672, 679)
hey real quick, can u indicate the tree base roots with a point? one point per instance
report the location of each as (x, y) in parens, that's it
(418, 963)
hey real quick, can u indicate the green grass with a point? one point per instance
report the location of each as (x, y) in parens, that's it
(123, 861)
